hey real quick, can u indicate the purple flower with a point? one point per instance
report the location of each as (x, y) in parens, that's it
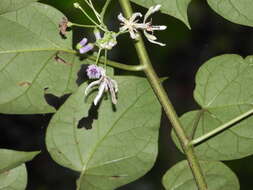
(105, 83)
(83, 48)
(95, 72)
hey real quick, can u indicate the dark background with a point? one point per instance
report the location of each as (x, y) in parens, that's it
(185, 52)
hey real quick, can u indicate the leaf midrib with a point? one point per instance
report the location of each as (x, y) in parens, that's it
(102, 139)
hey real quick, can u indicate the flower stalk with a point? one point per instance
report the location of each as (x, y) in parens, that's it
(166, 104)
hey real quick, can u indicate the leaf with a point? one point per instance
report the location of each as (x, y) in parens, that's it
(122, 144)
(10, 159)
(175, 8)
(224, 91)
(12, 5)
(218, 176)
(12, 169)
(35, 60)
(14, 179)
(237, 11)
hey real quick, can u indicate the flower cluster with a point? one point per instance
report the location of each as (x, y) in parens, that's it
(105, 83)
(132, 25)
(106, 40)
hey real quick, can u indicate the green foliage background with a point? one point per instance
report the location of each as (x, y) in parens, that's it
(186, 50)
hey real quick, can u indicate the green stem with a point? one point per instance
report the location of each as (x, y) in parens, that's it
(98, 56)
(90, 4)
(118, 65)
(167, 106)
(107, 3)
(83, 11)
(221, 128)
(82, 25)
(195, 124)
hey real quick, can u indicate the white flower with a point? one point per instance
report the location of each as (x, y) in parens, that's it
(148, 27)
(105, 83)
(130, 25)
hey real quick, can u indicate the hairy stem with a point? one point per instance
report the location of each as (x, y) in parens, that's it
(166, 104)
(221, 128)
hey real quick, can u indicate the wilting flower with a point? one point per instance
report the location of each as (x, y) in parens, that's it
(105, 84)
(148, 27)
(83, 47)
(130, 25)
(94, 72)
(63, 25)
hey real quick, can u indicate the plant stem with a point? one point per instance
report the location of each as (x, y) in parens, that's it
(118, 65)
(221, 128)
(83, 25)
(166, 104)
(107, 3)
(195, 124)
(76, 5)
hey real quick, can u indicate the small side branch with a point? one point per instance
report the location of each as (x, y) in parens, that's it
(119, 65)
(221, 128)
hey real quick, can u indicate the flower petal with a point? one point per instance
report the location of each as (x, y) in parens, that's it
(115, 85)
(151, 10)
(155, 42)
(122, 18)
(149, 36)
(83, 41)
(133, 34)
(86, 48)
(112, 91)
(101, 90)
(91, 85)
(134, 16)
(159, 27)
(123, 28)
(97, 34)
(152, 39)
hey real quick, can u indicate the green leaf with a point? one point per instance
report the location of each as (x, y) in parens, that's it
(12, 5)
(15, 178)
(224, 91)
(12, 169)
(35, 60)
(218, 176)
(10, 159)
(122, 144)
(237, 11)
(175, 8)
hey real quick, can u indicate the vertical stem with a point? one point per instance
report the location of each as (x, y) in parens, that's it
(167, 106)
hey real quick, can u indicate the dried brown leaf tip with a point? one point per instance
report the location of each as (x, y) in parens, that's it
(63, 25)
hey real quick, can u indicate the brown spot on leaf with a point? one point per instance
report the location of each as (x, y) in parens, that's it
(24, 84)
(61, 60)
(7, 172)
(115, 177)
